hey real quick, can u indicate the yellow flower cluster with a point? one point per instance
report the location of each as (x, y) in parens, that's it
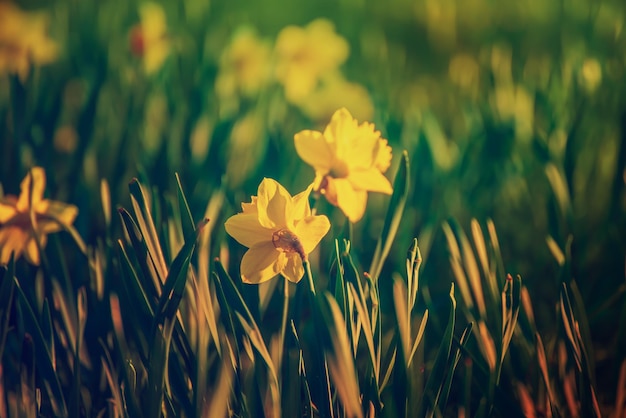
(29, 218)
(23, 41)
(305, 61)
(306, 54)
(280, 231)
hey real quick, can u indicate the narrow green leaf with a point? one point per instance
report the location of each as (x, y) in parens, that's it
(340, 360)
(489, 272)
(367, 329)
(340, 285)
(7, 290)
(302, 394)
(43, 356)
(254, 335)
(437, 376)
(232, 300)
(543, 367)
(165, 322)
(81, 316)
(513, 289)
(47, 330)
(158, 362)
(442, 401)
(399, 299)
(176, 280)
(220, 398)
(105, 198)
(153, 281)
(419, 336)
(393, 217)
(390, 362)
(457, 268)
(186, 219)
(147, 227)
(133, 284)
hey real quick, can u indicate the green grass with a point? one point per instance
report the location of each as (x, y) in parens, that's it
(491, 283)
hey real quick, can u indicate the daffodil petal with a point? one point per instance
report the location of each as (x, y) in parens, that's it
(301, 207)
(250, 207)
(273, 204)
(371, 180)
(350, 201)
(7, 211)
(293, 270)
(311, 230)
(38, 176)
(261, 263)
(246, 229)
(314, 150)
(12, 239)
(61, 215)
(341, 127)
(31, 251)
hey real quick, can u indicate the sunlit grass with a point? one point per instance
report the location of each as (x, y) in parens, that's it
(475, 260)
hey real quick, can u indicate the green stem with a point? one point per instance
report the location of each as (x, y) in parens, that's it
(309, 276)
(319, 371)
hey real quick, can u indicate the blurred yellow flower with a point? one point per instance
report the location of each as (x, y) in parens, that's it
(248, 140)
(334, 93)
(305, 54)
(245, 65)
(349, 160)
(23, 40)
(149, 39)
(29, 217)
(279, 230)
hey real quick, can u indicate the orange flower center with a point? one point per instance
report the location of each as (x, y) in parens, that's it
(288, 242)
(20, 220)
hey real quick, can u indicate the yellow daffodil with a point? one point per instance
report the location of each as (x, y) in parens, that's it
(244, 65)
(29, 217)
(306, 54)
(349, 160)
(149, 39)
(279, 230)
(23, 40)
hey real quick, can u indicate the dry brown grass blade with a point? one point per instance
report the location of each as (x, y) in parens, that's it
(543, 366)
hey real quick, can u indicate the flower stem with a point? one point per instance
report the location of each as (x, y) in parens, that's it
(318, 372)
(309, 276)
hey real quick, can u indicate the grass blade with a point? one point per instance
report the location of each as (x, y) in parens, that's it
(401, 186)
(43, 356)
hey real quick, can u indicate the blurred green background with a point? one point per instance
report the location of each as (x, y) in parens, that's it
(512, 111)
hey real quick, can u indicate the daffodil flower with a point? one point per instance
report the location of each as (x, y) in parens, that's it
(304, 55)
(149, 39)
(279, 231)
(349, 160)
(23, 40)
(29, 217)
(245, 65)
